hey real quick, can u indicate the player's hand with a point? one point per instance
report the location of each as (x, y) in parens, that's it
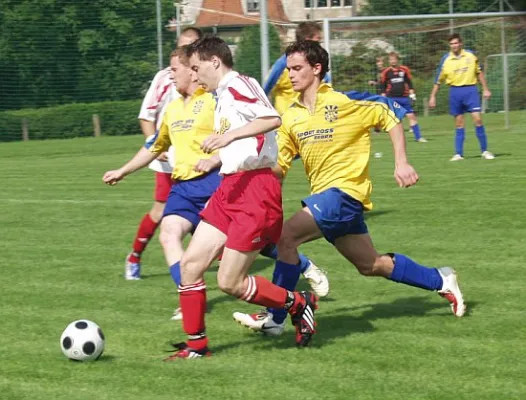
(432, 102)
(486, 94)
(163, 157)
(405, 175)
(412, 96)
(206, 165)
(214, 142)
(371, 83)
(112, 177)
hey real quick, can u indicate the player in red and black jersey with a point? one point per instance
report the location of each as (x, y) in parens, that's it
(397, 84)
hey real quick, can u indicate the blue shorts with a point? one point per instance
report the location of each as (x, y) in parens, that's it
(404, 102)
(188, 198)
(463, 99)
(336, 213)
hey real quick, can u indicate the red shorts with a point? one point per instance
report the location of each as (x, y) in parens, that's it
(247, 208)
(163, 185)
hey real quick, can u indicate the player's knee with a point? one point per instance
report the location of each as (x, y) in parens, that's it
(230, 286)
(373, 267)
(287, 243)
(170, 236)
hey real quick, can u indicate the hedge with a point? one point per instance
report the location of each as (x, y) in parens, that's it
(72, 120)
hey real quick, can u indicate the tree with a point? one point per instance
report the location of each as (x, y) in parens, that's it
(248, 52)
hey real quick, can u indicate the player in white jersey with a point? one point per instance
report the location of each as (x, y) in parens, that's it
(245, 213)
(160, 93)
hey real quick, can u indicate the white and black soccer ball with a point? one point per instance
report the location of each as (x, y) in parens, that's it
(82, 340)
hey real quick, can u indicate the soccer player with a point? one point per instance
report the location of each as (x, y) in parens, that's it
(397, 84)
(160, 93)
(278, 83)
(460, 70)
(245, 213)
(331, 134)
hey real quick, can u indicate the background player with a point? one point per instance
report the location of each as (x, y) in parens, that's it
(244, 214)
(334, 143)
(278, 83)
(160, 93)
(460, 69)
(397, 84)
(377, 75)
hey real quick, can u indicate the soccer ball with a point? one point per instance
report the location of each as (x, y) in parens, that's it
(82, 340)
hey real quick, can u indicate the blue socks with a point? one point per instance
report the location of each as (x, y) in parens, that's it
(175, 271)
(409, 272)
(286, 276)
(481, 136)
(459, 141)
(416, 131)
(272, 252)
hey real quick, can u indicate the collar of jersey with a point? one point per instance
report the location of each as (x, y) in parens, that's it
(462, 54)
(225, 80)
(323, 88)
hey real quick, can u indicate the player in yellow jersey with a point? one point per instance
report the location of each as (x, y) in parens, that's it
(460, 69)
(188, 121)
(330, 132)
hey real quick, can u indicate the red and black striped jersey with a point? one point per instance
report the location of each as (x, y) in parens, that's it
(396, 81)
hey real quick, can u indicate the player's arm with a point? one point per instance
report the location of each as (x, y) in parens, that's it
(482, 79)
(274, 75)
(409, 81)
(383, 81)
(148, 112)
(439, 77)
(404, 173)
(288, 150)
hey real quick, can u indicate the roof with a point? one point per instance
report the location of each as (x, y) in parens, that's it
(230, 13)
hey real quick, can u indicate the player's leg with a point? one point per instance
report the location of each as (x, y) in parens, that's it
(413, 123)
(456, 109)
(360, 251)
(148, 226)
(480, 132)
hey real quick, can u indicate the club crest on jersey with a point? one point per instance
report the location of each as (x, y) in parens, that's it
(331, 113)
(198, 106)
(401, 74)
(224, 126)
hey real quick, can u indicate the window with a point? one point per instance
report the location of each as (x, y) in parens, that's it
(347, 3)
(322, 3)
(336, 3)
(307, 3)
(252, 6)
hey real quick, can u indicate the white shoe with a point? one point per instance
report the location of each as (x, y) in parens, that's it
(451, 292)
(422, 140)
(456, 157)
(317, 279)
(260, 322)
(132, 271)
(177, 315)
(487, 155)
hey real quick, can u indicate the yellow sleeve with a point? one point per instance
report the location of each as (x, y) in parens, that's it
(287, 149)
(478, 68)
(161, 140)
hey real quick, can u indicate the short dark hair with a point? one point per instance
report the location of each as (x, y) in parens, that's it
(307, 30)
(454, 36)
(198, 32)
(184, 53)
(313, 52)
(209, 46)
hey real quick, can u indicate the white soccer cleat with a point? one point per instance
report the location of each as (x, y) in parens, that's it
(456, 157)
(451, 292)
(177, 315)
(132, 271)
(317, 279)
(260, 322)
(422, 140)
(487, 155)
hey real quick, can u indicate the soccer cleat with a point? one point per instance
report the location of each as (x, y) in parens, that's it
(302, 316)
(451, 292)
(487, 155)
(422, 140)
(317, 279)
(177, 315)
(456, 157)
(132, 271)
(186, 352)
(260, 322)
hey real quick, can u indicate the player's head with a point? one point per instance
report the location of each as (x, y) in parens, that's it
(188, 36)
(308, 31)
(455, 43)
(211, 59)
(308, 63)
(181, 72)
(393, 58)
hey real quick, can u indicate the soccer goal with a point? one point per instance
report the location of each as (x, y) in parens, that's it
(359, 45)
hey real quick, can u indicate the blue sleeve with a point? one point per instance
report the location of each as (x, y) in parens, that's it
(275, 72)
(151, 140)
(355, 95)
(328, 78)
(398, 110)
(440, 65)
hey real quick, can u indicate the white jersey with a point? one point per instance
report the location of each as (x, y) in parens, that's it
(160, 93)
(240, 100)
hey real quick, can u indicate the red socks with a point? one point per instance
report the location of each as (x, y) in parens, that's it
(145, 232)
(264, 293)
(193, 307)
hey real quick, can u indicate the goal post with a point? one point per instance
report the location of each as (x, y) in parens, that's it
(355, 44)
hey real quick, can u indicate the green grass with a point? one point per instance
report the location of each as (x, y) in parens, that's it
(65, 235)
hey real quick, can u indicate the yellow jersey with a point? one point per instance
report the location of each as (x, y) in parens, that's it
(334, 141)
(458, 71)
(185, 126)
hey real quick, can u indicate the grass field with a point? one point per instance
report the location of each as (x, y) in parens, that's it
(65, 236)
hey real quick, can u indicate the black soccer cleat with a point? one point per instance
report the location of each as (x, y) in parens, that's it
(302, 316)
